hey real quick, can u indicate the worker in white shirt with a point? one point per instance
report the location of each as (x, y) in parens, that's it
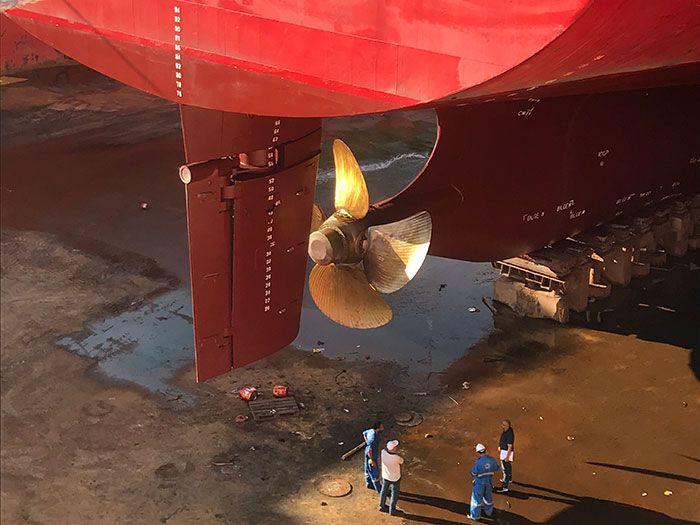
(391, 474)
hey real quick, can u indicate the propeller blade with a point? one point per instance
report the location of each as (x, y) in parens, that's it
(396, 251)
(317, 217)
(351, 195)
(343, 294)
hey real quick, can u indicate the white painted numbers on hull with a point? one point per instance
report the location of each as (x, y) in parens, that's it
(624, 199)
(529, 217)
(178, 56)
(528, 111)
(269, 232)
(565, 206)
(269, 237)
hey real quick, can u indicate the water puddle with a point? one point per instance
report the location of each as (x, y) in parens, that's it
(145, 346)
(438, 316)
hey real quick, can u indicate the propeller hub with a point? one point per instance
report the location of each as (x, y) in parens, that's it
(320, 248)
(339, 240)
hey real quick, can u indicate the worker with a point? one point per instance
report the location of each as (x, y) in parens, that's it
(391, 475)
(482, 485)
(371, 437)
(505, 446)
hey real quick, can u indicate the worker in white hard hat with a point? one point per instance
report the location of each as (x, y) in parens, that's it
(482, 485)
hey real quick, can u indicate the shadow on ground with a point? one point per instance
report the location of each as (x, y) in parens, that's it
(661, 307)
(582, 510)
(649, 472)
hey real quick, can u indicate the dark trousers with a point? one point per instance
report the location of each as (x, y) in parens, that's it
(507, 467)
(395, 485)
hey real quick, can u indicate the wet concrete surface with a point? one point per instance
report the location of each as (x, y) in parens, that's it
(430, 329)
(146, 345)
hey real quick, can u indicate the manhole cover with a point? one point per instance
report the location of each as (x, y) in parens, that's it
(403, 417)
(408, 419)
(334, 487)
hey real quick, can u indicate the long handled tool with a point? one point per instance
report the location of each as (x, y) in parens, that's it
(351, 452)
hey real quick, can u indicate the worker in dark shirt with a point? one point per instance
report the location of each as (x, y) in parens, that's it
(505, 446)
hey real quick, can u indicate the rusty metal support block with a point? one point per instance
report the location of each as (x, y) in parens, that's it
(618, 265)
(656, 259)
(695, 215)
(529, 302)
(577, 286)
(680, 228)
(662, 226)
(640, 269)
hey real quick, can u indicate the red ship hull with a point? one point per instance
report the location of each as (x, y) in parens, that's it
(553, 117)
(20, 51)
(306, 59)
(526, 173)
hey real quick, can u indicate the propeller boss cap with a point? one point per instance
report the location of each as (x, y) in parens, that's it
(320, 248)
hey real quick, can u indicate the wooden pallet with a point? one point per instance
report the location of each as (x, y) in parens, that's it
(263, 409)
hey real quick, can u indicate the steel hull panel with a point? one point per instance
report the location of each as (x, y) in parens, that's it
(508, 178)
(20, 51)
(304, 59)
(204, 83)
(598, 54)
(384, 46)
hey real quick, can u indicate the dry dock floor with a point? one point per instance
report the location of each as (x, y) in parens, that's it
(606, 418)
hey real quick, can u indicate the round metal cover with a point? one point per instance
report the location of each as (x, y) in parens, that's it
(403, 417)
(334, 487)
(413, 420)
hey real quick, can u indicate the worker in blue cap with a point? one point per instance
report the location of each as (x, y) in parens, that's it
(482, 485)
(371, 437)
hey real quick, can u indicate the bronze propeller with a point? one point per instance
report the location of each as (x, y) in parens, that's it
(355, 258)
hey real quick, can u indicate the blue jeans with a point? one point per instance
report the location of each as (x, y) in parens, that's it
(481, 492)
(394, 494)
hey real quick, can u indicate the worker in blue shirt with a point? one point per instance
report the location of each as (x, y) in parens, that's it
(482, 485)
(371, 437)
